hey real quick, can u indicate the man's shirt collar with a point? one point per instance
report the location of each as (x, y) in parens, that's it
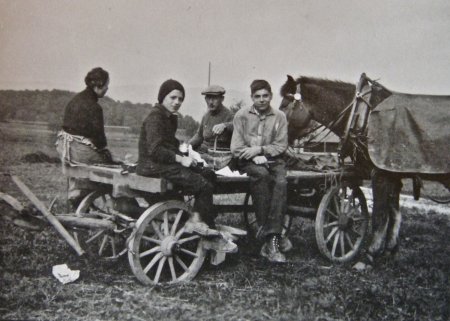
(253, 110)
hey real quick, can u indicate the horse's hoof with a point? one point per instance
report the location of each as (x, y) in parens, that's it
(391, 252)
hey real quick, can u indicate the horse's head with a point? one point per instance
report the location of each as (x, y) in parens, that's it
(323, 99)
(298, 117)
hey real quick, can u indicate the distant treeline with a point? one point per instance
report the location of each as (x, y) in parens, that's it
(48, 106)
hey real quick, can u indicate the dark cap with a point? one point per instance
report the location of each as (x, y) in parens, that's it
(259, 84)
(167, 87)
(214, 90)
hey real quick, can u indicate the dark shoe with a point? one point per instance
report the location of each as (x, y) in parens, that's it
(271, 250)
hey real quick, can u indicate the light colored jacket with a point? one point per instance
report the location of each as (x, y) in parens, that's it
(252, 129)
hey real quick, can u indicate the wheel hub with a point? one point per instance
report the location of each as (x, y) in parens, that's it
(167, 245)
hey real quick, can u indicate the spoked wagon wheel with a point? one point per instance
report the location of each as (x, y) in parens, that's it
(105, 243)
(252, 226)
(341, 223)
(160, 251)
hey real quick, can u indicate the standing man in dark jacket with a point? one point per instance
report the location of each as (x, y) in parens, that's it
(82, 138)
(159, 156)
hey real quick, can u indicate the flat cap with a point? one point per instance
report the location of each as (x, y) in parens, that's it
(214, 90)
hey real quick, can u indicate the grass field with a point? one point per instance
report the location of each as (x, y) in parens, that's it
(414, 285)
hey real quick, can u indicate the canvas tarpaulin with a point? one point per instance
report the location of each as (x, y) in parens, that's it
(411, 134)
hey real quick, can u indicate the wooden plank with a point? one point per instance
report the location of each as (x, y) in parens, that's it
(49, 216)
(77, 221)
(123, 185)
(12, 201)
(113, 176)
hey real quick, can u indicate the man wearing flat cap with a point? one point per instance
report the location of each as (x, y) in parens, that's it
(217, 122)
(258, 144)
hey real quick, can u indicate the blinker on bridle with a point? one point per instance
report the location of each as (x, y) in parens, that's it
(297, 96)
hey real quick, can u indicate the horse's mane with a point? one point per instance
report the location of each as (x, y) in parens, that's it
(331, 84)
(289, 87)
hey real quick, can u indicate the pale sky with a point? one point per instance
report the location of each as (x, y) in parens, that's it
(52, 44)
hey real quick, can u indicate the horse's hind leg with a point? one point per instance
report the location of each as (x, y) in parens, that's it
(394, 186)
(380, 213)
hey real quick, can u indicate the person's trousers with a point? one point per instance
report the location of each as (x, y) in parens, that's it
(268, 188)
(197, 181)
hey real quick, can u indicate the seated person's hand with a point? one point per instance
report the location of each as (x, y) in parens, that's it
(259, 160)
(250, 152)
(218, 129)
(187, 161)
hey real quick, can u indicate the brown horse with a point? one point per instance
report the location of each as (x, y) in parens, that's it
(345, 108)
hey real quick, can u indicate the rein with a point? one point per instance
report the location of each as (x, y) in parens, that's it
(299, 101)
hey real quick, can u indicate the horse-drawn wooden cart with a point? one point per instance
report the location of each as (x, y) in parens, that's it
(158, 248)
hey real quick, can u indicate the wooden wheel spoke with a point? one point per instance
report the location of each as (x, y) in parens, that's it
(335, 242)
(113, 246)
(179, 233)
(351, 212)
(102, 246)
(332, 213)
(331, 224)
(333, 232)
(151, 251)
(182, 264)
(356, 231)
(172, 268)
(341, 241)
(157, 230)
(166, 224)
(75, 237)
(336, 205)
(187, 239)
(160, 267)
(150, 239)
(95, 236)
(177, 220)
(189, 252)
(349, 241)
(155, 259)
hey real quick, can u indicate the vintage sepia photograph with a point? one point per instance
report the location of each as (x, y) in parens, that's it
(224, 160)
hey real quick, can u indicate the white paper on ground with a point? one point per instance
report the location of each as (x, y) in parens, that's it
(64, 274)
(226, 171)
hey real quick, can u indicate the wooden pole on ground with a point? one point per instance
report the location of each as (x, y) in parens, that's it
(49, 216)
